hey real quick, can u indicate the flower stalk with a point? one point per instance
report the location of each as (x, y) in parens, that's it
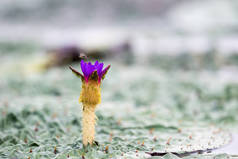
(90, 96)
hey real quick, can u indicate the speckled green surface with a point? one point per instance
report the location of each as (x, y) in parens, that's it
(144, 109)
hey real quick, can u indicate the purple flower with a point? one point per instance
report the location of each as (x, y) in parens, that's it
(89, 69)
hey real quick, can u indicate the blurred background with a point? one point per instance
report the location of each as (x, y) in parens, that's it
(176, 56)
(200, 33)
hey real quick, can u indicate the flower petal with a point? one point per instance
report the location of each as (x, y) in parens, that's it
(99, 69)
(96, 63)
(88, 69)
(83, 67)
(104, 72)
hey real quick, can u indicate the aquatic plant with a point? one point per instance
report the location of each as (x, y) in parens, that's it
(90, 96)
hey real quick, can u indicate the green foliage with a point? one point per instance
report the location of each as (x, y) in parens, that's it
(150, 110)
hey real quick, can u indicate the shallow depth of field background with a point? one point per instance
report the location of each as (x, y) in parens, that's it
(172, 86)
